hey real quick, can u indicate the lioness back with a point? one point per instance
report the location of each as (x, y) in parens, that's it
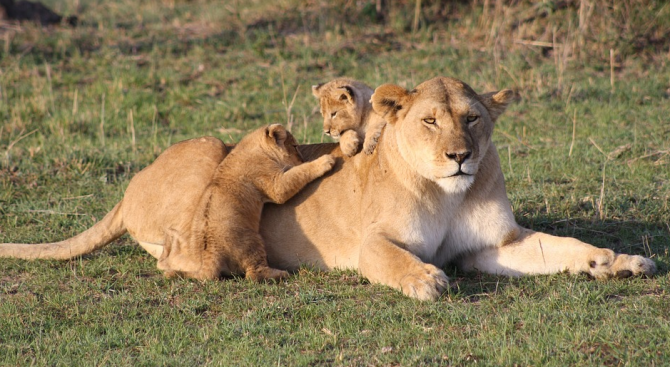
(348, 115)
(224, 239)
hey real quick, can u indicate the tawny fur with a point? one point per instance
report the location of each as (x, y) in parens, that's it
(348, 114)
(432, 192)
(224, 238)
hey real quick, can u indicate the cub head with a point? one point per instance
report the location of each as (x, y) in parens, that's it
(281, 145)
(442, 128)
(344, 103)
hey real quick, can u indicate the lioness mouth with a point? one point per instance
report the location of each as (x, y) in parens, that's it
(460, 173)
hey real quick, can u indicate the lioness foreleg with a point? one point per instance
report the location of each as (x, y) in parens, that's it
(383, 262)
(541, 253)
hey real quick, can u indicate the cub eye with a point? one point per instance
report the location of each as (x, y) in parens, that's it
(429, 121)
(332, 115)
(471, 118)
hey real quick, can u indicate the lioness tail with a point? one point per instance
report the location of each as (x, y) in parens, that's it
(105, 231)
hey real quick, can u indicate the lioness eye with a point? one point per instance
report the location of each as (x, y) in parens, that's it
(429, 121)
(471, 118)
(332, 115)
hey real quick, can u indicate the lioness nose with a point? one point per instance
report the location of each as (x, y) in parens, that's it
(459, 157)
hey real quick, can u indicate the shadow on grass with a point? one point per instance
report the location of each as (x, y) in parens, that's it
(631, 237)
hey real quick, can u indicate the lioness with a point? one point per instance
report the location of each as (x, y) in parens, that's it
(348, 115)
(265, 166)
(431, 192)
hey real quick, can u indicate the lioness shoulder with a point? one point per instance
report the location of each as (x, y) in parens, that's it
(348, 114)
(224, 237)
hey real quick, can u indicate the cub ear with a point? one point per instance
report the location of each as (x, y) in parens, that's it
(345, 93)
(277, 133)
(316, 90)
(387, 100)
(496, 102)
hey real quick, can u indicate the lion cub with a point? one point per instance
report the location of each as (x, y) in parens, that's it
(348, 114)
(265, 166)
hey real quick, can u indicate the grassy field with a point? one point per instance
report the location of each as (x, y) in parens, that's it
(585, 152)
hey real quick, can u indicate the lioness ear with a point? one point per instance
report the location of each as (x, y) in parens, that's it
(316, 90)
(497, 102)
(277, 133)
(387, 100)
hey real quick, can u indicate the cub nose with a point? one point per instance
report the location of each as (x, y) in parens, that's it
(327, 132)
(459, 157)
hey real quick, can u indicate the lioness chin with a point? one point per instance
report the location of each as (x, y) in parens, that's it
(431, 192)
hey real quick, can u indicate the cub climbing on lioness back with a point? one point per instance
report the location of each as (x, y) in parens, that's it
(224, 236)
(348, 114)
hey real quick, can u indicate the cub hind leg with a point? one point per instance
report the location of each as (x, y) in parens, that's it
(251, 257)
(180, 258)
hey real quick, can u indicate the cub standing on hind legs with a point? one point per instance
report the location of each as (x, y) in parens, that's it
(348, 114)
(224, 236)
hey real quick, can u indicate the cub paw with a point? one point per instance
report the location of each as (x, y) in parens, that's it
(425, 284)
(371, 143)
(325, 163)
(262, 274)
(349, 143)
(170, 274)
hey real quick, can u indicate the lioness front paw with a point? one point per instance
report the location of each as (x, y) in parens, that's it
(349, 143)
(425, 284)
(630, 265)
(600, 264)
(607, 264)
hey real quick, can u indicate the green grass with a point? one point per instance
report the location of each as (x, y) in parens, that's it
(69, 146)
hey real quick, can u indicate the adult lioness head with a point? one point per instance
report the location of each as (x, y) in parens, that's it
(446, 127)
